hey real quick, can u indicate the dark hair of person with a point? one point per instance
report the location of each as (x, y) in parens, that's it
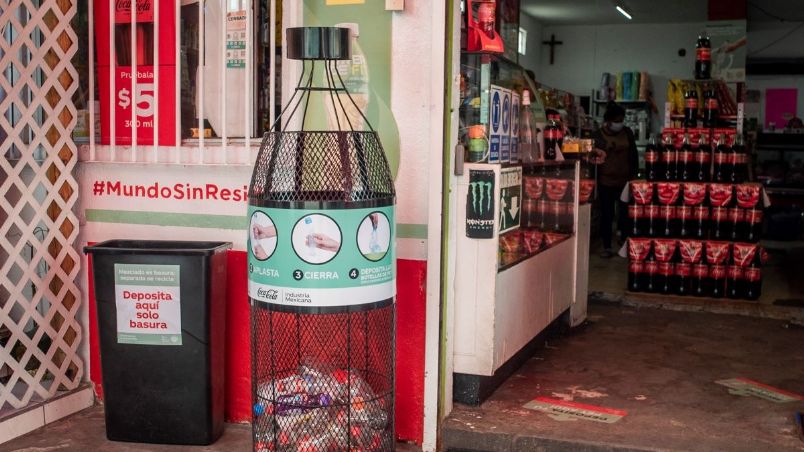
(613, 110)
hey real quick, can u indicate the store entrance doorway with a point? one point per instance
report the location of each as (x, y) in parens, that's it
(39, 299)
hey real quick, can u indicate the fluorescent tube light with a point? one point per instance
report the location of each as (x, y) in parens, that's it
(623, 12)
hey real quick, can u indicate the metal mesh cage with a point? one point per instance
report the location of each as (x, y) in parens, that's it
(322, 380)
(337, 166)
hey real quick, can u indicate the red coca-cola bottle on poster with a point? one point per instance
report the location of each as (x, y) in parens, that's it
(703, 57)
(652, 160)
(669, 158)
(721, 171)
(703, 158)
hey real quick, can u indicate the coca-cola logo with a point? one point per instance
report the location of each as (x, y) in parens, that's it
(720, 213)
(700, 213)
(668, 192)
(636, 266)
(744, 253)
(717, 272)
(720, 194)
(700, 270)
(664, 249)
(665, 268)
(651, 267)
(143, 6)
(735, 272)
(736, 214)
(753, 216)
(683, 269)
(636, 211)
(753, 274)
(691, 250)
(638, 249)
(694, 194)
(651, 156)
(556, 188)
(667, 212)
(652, 211)
(717, 252)
(685, 156)
(703, 157)
(642, 192)
(748, 195)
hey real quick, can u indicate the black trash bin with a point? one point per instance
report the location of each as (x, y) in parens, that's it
(161, 318)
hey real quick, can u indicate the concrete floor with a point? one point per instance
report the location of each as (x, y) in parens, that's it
(660, 367)
(85, 431)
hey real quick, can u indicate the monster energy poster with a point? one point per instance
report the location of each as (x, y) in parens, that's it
(480, 205)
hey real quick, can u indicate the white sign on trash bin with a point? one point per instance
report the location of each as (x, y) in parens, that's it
(148, 302)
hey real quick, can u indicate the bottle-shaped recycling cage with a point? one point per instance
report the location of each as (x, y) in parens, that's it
(321, 267)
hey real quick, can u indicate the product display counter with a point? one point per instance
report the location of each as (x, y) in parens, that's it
(530, 270)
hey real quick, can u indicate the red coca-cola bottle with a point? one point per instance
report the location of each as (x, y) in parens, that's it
(668, 194)
(553, 136)
(665, 252)
(651, 279)
(652, 160)
(703, 159)
(692, 221)
(742, 256)
(686, 167)
(636, 214)
(669, 158)
(717, 254)
(689, 254)
(652, 220)
(753, 224)
(734, 281)
(700, 280)
(720, 198)
(711, 109)
(721, 172)
(638, 251)
(752, 289)
(703, 57)
(691, 109)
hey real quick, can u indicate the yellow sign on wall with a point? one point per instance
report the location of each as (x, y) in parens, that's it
(345, 2)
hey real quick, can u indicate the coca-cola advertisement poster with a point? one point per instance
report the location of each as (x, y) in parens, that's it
(728, 40)
(480, 205)
(137, 91)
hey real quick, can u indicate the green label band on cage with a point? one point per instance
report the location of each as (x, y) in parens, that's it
(148, 304)
(321, 258)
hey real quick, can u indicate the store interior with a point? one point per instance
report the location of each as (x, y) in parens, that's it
(700, 286)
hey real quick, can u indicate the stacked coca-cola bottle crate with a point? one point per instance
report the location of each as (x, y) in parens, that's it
(695, 221)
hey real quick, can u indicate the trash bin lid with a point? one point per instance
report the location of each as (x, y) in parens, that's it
(172, 247)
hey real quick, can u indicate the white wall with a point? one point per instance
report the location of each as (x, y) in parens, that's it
(533, 53)
(590, 50)
(761, 37)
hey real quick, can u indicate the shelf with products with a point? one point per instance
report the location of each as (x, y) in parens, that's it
(522, 258)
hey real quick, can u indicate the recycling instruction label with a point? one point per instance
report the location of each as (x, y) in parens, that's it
(321, 258)
(148, 304)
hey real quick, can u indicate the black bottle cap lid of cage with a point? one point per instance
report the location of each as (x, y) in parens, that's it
(318, 43)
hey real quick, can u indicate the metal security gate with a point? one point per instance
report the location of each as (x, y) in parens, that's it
(39, 299)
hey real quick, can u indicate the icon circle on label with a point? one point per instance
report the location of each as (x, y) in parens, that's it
(316, 239)
(262, 236)
(374, 236)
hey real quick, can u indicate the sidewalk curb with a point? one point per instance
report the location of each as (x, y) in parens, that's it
(693, 304)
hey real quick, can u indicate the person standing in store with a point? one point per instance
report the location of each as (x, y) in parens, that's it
(619, 165)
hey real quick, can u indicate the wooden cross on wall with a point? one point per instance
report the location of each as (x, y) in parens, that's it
(552, 43)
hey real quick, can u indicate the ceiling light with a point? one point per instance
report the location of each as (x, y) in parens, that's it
(623, 12)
